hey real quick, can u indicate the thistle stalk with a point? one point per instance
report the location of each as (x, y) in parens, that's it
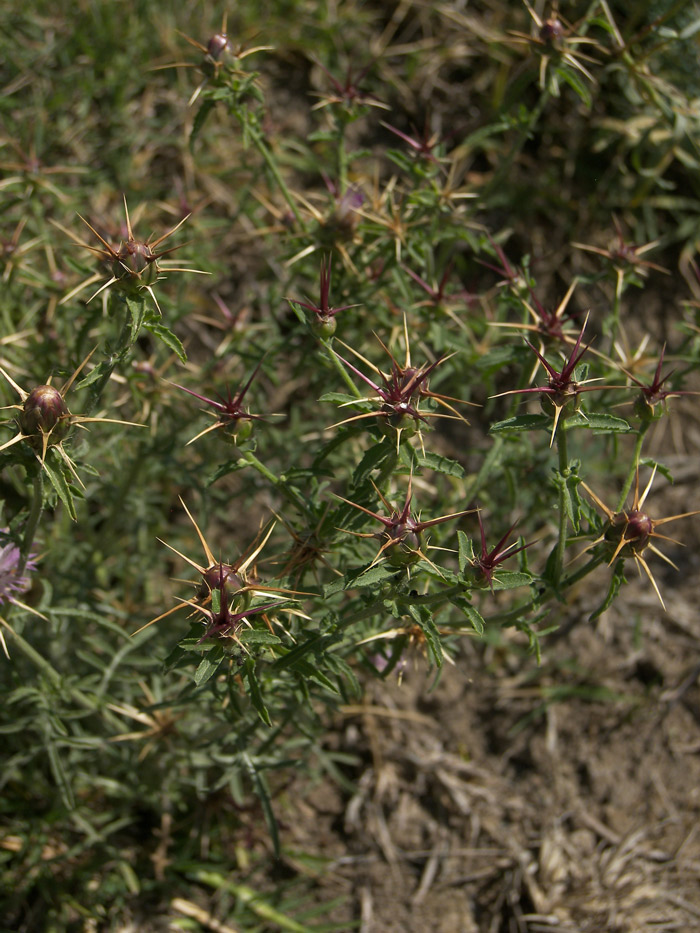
(563, 520)
(634, 467)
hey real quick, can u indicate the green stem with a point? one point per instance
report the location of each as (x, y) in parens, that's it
(277, 481)
(271, 163)
(124, 344)
(35, 511)
(563, 519)
(634, 468)
(332, 356)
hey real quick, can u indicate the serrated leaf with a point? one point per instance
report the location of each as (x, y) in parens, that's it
(435, 462)
(340, 397)
(372, 459)
(598, 422)
(165, 335)
(510, 579)
(474, 617)
(465, 552)
(229, 466)
(137, 310)
(106, 366)
(660, 468)
(522, 423)
(376, 574)
(258, 637)
(57, 477)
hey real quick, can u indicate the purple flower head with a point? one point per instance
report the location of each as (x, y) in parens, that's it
(14, 578)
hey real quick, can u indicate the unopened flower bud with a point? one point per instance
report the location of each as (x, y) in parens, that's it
(135, 264)
(45, 412)
(220, 576)
(635, 527)
(551, 30)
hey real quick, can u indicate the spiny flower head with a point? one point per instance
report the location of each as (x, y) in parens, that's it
(402, 534)
(486, 563)
(323, 321)
(555, 42)
(653, 394)
(629, 532)
(230, 412)
(401, 392)
(45, 420)
(348, 92)
(221, 58)
(562, 390)
(623, 255)
(132, 265)
(221, 581)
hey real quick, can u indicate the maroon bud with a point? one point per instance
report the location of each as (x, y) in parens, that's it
(633, 527)
(551, 30)
(219, 577)
(45, 412)
(217, 45)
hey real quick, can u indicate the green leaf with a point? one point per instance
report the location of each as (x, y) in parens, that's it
(199, 121)
(424, 618)
(616, 581)
(372, 460)
(510, 579)
(255, 693)
(431, 461)
(522, 423)
(258, 637)
(374, 575)
(342, 398)
(497, 358)
(59, 775)
(343, 669)
(54, 469)
(574, 81)
(568, 486)
(260, 786)
(207, 667)
(164, 334)
(465, 553)
(312, 672)
(474, 617)
(598, 422)
(138, 310)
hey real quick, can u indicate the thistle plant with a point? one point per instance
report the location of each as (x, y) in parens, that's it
(454, 274)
